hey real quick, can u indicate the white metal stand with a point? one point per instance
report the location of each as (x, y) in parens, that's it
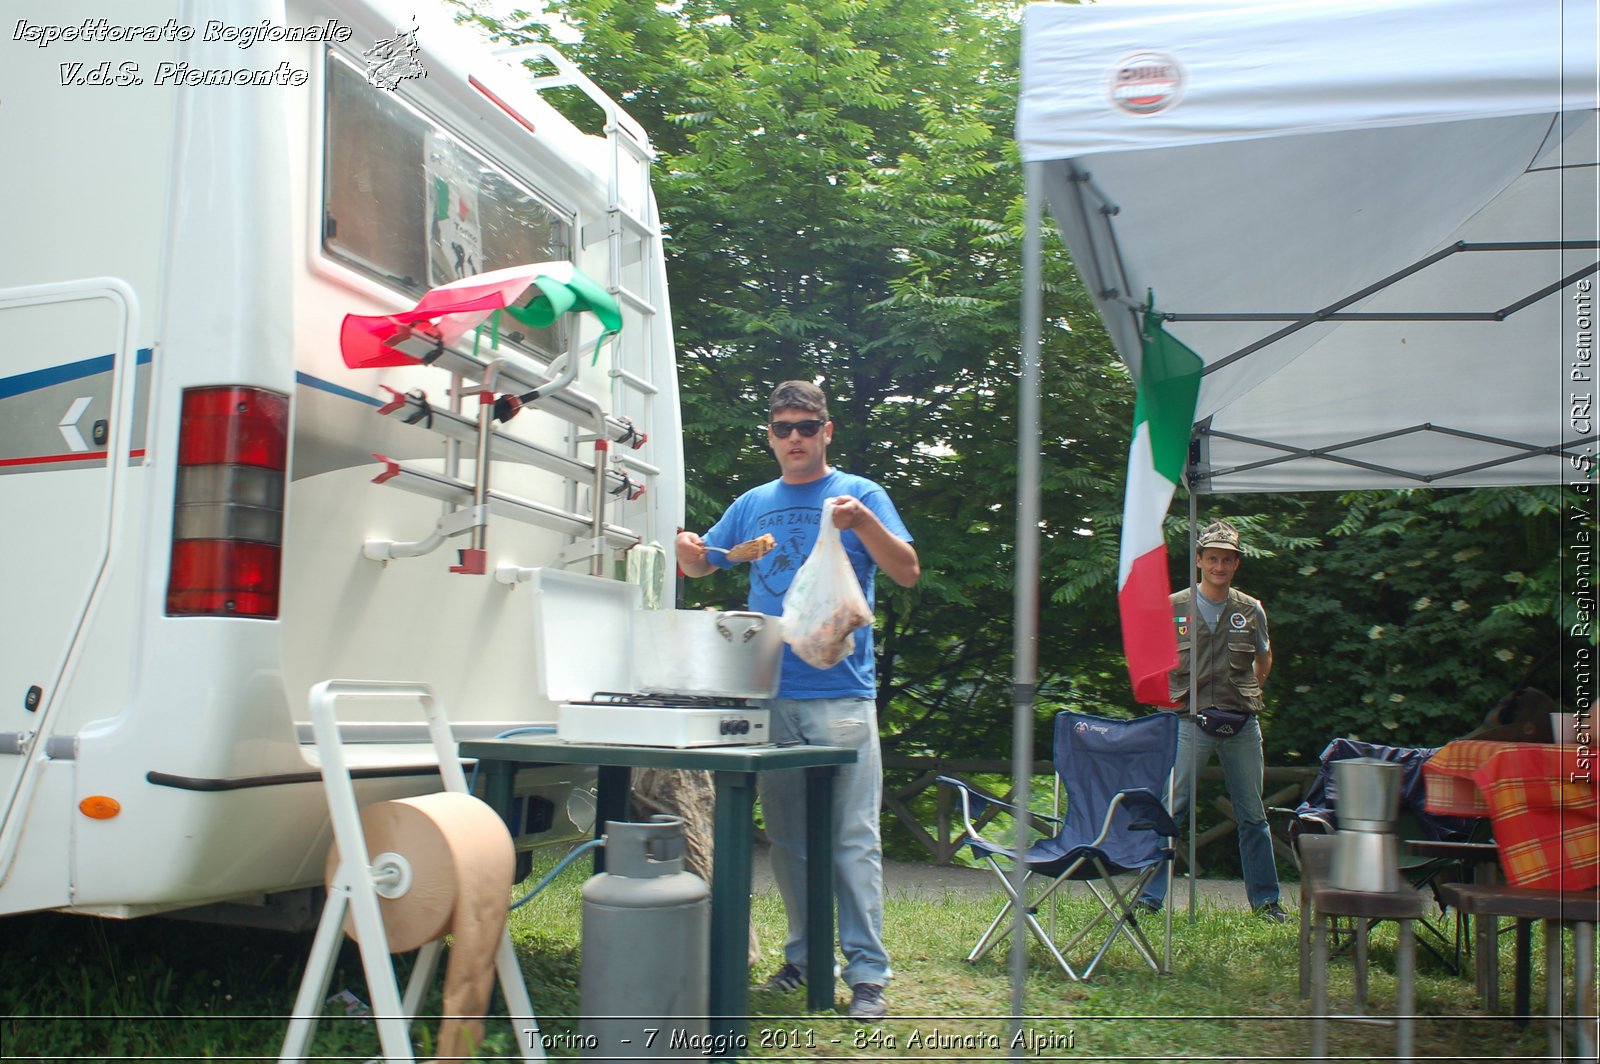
(357, 886)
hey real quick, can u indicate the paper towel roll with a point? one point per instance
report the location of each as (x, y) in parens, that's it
(462, 863)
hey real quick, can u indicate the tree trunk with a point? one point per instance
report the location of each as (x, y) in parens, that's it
(692, 796)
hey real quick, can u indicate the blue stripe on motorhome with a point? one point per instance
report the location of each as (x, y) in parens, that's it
(334, 389)
(37, 379)
(44, 378)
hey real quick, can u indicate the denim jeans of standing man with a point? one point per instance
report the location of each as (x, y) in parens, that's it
(857, 845)
(1243, 765)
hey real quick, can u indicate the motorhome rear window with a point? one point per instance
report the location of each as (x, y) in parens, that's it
(410, 205)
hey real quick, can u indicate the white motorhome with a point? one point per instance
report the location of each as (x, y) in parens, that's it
(191, 535)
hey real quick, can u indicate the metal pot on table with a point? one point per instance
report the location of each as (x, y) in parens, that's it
(732, 654)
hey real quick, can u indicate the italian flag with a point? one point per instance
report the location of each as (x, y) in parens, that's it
(1163, 417)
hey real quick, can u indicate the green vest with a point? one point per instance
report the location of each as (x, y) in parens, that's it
(1226, 655)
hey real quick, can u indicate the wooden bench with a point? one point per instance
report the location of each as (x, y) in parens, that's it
(1557, 909)
(1320, 904)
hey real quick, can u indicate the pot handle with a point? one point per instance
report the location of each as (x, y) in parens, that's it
(727, 633)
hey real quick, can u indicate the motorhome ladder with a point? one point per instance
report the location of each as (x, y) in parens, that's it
(632, 232)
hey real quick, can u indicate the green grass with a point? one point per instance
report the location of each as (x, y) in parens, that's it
(88, 989)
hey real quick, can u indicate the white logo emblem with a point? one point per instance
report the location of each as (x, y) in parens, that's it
(1237, 620)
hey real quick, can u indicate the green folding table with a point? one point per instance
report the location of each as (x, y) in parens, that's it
(734, 770)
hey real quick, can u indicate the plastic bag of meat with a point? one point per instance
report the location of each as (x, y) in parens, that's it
(824, 605)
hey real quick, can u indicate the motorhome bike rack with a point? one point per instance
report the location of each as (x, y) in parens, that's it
(503, 446)
(355, 890)
(472, 502)
(630, 239)
(459, 493)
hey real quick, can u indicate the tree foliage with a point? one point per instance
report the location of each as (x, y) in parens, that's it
(842, 202)
(1401, 617)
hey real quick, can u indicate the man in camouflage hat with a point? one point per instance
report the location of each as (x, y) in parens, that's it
(1227, 631)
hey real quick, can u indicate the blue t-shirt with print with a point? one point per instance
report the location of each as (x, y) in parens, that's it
(792, 513)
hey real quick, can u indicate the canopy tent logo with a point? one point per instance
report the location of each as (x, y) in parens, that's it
(1146, 83)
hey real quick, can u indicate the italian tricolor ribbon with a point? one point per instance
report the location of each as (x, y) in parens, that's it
(535, 295)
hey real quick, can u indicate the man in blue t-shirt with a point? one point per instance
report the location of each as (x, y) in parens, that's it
(825, 707)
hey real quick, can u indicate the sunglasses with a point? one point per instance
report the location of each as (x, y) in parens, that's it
(808, 429)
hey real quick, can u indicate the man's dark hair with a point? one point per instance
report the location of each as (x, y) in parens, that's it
(799, 395)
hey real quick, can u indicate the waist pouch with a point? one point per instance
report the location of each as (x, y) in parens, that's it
(1224, 723)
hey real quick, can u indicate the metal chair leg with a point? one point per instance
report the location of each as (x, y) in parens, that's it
(1003, 922)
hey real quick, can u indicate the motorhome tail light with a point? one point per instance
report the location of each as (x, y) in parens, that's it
(227, 522)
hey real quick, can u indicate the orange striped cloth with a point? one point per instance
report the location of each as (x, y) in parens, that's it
(1542, 798)
(1448, 777)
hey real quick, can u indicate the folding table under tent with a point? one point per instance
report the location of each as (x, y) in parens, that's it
(1375, 221)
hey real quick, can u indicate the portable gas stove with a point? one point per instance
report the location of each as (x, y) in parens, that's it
(679, 721)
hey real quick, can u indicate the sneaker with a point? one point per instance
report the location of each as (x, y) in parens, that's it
(867, 1003)
(1272, 911)
(1142, 906)
(784, 980)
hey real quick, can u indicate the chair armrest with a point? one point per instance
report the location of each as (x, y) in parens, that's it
(1143, 803)
(971, 794)
(1324, 825)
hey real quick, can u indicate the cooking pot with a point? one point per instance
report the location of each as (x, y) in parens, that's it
(733, 654)
(1367, 794)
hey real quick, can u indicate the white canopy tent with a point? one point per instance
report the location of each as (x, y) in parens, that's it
(1374, 220)
(1370, 218)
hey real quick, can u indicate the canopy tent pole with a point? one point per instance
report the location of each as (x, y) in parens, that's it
(1025, 623)
(1194, 743)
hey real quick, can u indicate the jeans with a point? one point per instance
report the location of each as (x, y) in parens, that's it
(1242, 768)
(858, 848)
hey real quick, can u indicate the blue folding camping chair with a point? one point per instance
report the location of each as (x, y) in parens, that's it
(1114, 774)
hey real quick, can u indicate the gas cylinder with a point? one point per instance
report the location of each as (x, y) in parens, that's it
(642, 986)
